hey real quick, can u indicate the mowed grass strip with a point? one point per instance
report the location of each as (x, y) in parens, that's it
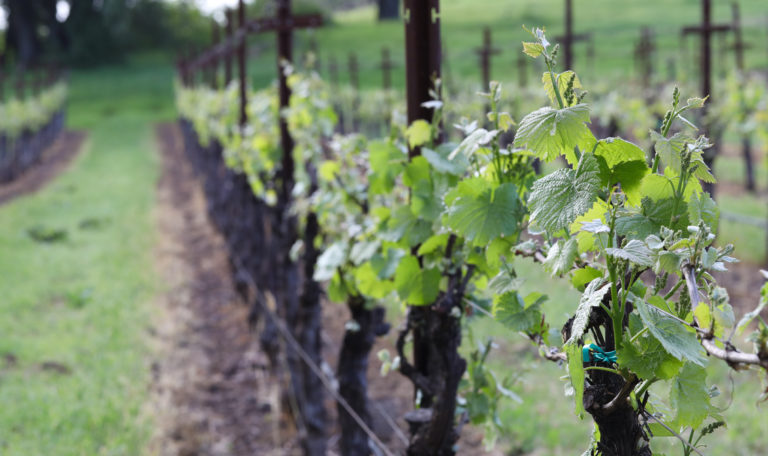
(76, 279)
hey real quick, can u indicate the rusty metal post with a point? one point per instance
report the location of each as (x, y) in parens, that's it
(738, 46)
(285, 57)
(241, 62)
(422, 55)
(213, 65)
(354, 71)
(522, 70)
(228, 53)
(386, 69)
(485, 52)
(567, 43)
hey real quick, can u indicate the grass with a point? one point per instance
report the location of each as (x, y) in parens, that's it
(615, 26)
(81, 306)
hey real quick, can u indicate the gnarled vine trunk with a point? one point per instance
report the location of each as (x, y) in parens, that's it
(437, 369)
(352, 373)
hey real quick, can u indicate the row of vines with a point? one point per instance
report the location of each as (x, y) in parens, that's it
(28, 126)
(437, 226)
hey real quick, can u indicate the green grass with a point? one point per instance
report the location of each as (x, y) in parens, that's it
(83, 303)
(615, 26)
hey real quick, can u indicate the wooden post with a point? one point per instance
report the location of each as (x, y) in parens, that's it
(569, 38)
(422, 55)
(284, 58)
(739, 46)
(213, 65)
(353, 68)
(567, 43)
(485, 52)
(241, 64)
(228, 54)
(707, 29)
(354, 82)
(522, 69)
(333, 71)
(644, 56)
(386, 69)
(20, 85)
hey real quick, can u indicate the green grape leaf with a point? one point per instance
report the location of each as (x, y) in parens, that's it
(592, 297)
(504, 282)
(635, 251)
(498, 251)
(403, 225)
(511, 310)
(576, 374)
(556, 200)
(386, 265)
(676, 338)
(416, 286)
(369, 284)
(434, 243)
(561, 256)
(647, 358)
(616, 151)
(703, 208)
(651, 217)
(669, 149)
(418, 133)
(363, 251)
(689, 396)
(329, 261)
(481, 217)
(550, 132)
(439, 160)
(472, 143)
(386, 163)
(630, 175)
(582, 277)
(533, 49)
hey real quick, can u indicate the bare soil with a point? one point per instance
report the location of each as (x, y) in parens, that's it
(55, 160)
(211, 391)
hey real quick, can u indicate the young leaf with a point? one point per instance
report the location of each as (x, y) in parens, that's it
(576, 374)
(617, 150)
(419, 133)
(561, 256)
(678, 340)
(635, 251)
(557, 199)
(440, 162)
(329, 261)
(592, 297)
(689, 396)
(416, 286)
(647, 358)
(481, 217)
(550, 132)
(511, 310)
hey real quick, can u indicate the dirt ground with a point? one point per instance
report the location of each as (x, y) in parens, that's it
(212, 392)
(210, 389)
(54, 160)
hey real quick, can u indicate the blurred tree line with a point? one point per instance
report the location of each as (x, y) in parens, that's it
(98, 31)
(89, 32)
